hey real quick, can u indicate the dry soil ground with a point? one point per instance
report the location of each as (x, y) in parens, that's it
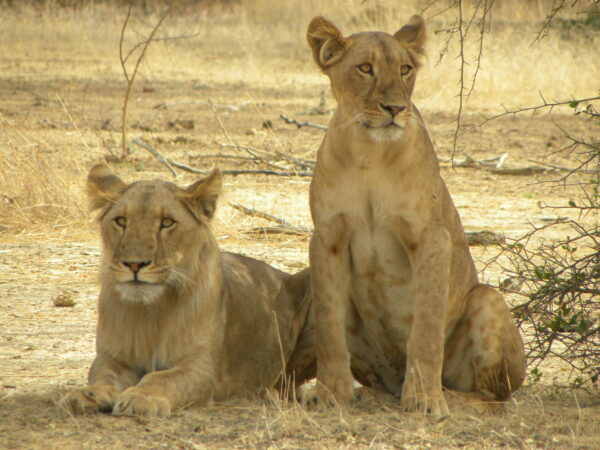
(60, 125)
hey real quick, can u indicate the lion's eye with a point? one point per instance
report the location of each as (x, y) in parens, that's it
(366, 68)
(167, 222)
(405, 69)
(121, 221)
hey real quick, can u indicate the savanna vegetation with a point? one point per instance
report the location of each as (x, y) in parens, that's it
(522, 162)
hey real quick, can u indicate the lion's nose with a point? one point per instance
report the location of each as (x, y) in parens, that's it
(394, 110)
(135, 267)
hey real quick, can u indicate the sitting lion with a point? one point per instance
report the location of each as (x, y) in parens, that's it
(398, 304)
(179, 322)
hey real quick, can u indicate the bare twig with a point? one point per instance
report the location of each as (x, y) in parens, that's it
(563, 169)
(277, 230)
(156, 154)
(255, 153)
(169, 163)
(267, 172)
(71, 119)
(477, 163)
(284, 226)
(519, 171)
(221, 125)
(302, 124)
(543, 105)
(264, 156)
(130, 77)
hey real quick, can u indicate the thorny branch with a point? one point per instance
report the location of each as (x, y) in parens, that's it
(544, 104)
(462, 78)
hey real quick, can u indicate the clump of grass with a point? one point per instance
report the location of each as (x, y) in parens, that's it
(64, 300)
(41, 188)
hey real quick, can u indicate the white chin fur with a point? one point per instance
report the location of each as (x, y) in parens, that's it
(139, 292)
(386, 134)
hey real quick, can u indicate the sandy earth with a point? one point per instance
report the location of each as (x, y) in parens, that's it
(45, 350)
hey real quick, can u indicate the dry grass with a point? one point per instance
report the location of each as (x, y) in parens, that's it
(554, 419)
(258, 43)
(41, 186)
(60, 96)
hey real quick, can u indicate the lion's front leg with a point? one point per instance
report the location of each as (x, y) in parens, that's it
(107, 378)
(422, 388)
(330, 271)
(158, 393)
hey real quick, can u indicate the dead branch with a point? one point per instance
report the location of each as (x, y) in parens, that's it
(518, 171)
(260, 155)
(221, 125)
(302, 124)
(261, 214)
(130, 78)
(142, 46)
(484, 237)
(264, 156)
(277, 230)
(71, 119)
(562, 168)
(477, 163)
(284, 226)
(169, 163)
(156, 154)
(255, 154)
(267, 172)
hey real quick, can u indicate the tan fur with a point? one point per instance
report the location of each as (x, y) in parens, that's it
(397, 300)
(197, 325)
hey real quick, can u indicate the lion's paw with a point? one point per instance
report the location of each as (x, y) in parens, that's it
(319, 397)
(88, 400)
(132, 402)
(434, 405)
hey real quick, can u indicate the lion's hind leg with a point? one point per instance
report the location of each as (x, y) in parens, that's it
(484, 354)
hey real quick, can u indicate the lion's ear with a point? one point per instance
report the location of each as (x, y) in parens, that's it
(326, 41)
(413, 35)
(103, 186)
(203, 194)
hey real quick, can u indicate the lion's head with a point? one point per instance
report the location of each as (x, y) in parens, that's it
(154, 233)
(372, 74)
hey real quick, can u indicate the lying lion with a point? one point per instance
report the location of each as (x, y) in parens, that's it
(180, 322)
(397, 301)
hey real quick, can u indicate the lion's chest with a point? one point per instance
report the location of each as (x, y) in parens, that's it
(385, 216)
